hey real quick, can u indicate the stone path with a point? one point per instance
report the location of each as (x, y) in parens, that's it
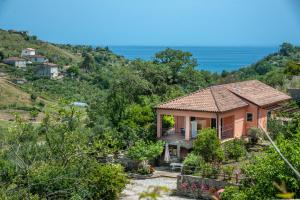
(160, 178)
(135, 187)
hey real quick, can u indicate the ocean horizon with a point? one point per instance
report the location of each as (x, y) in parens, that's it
(214, 58)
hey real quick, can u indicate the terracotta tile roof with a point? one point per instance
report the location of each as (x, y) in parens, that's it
(227, 97)
(46, 64)
(257, 92)
(193, 101)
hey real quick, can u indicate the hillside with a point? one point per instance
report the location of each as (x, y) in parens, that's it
(12, 43)
(12, 95)
(275, 69)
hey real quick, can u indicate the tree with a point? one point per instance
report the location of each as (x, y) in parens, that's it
(73, 71)
(208, 145)
(292, 68)
(286, 49)
(270, 168)
(143, 151)
(56, 161)
(88, 63)
(176, 60)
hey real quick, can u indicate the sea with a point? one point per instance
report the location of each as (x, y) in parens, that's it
(214, 59)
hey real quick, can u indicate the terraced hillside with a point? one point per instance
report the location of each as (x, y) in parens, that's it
(12, 43)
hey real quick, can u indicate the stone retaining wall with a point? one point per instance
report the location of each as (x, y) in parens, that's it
(197, 187)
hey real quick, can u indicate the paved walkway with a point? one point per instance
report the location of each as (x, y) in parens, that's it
(159, 178)
(135, 187)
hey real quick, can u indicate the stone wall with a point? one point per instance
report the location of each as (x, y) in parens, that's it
(197, 187)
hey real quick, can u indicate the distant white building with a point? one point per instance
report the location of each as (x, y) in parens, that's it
(48, 70)
(79, 104)
(28, 52)
(16, 62)
(38, 59)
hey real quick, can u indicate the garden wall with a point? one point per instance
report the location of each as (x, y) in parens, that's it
(197, 187)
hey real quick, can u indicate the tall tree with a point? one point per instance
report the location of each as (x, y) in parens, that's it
(88, 63)
(177, 60)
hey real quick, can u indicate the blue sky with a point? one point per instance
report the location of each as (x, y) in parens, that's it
(156, 22)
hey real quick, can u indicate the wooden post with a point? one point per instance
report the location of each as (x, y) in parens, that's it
(187, 128)
(159, 125)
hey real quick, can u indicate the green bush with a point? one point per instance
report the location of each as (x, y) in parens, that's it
(208, 146)
(191, 162)
(233, 193)
(254, 134)
(234, 149)
(228, 171)
(209, 170)
(168, 121)
(33, 96)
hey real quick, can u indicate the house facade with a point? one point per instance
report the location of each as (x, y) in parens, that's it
(16, 62)
(48, 70)
(28, 52)
(232, 109)
(38, 59)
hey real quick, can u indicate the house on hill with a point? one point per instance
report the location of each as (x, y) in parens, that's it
(38, 59)
(16, 62)
(28, 52)
(232, 109)
(48, 70)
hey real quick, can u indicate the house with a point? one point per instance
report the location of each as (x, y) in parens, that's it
(15, 61)
(232, 109)
(37, 59)
(28, 52)
(48, 70)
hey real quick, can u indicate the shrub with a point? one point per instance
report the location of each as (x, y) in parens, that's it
(233, 193)
(209, 170)
(234, 149)
(276, 128)
(41, 104)
(168, 121)
(228, 171)
(208, 146)
(191, 162)
(33, 97)
(254, 135)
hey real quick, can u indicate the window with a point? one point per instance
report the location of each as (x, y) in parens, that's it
(249, 117)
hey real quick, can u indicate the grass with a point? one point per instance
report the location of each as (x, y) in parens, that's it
(11, 94)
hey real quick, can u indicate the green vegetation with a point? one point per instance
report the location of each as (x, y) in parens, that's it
(62, 157)
(168, 121)
(208, 146)
(56, 160)
(13, 42)
(234, 149)
(266, 172)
